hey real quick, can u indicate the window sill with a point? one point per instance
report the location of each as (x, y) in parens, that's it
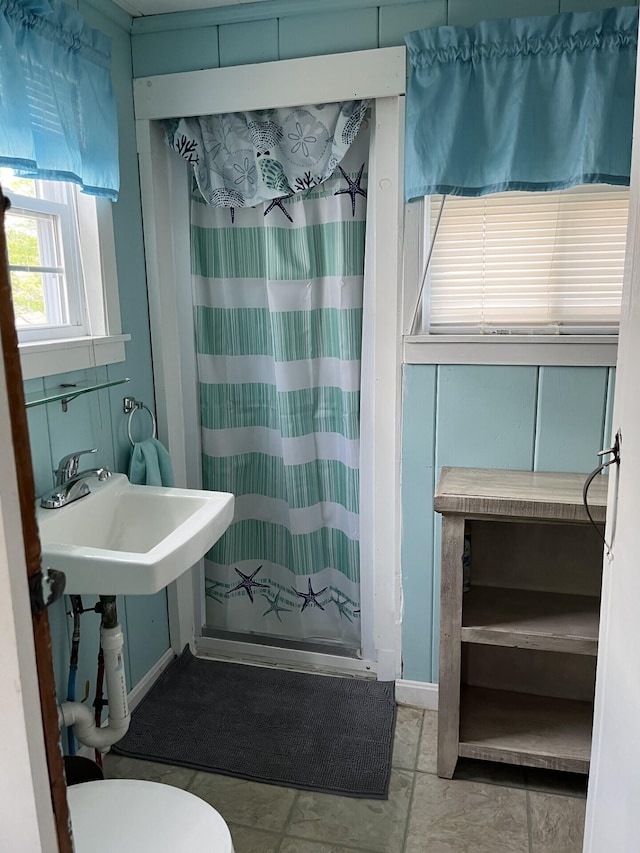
(47, 358)
(560, 350)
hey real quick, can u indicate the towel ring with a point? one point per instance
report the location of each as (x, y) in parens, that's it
(132, 413)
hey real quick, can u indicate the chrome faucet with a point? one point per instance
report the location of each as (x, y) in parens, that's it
(68, 465)
(71, 484)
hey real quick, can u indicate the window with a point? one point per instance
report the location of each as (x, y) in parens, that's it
(44, 258)
(527, 263)
(62, 267)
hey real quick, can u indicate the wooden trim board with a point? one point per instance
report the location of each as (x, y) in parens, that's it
(378, 73)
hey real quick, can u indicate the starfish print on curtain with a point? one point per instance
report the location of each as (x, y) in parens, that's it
(278, 202)
(353, 189)
(247, 583)
(311, 597)
(341, 604)
(274, 607)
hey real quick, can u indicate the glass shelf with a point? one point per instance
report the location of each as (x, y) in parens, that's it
(67, 392)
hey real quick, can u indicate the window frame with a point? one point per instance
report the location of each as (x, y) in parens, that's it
(70, 255)
(595, 350)
(101, 341)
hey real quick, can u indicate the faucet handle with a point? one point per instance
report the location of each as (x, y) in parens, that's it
(68, 465)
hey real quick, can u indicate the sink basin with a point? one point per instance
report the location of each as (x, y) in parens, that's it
(123, 539)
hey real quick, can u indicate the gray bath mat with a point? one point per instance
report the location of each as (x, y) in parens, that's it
(314, 732)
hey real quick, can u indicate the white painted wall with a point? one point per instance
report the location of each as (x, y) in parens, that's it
(614, 782)
(26, 815)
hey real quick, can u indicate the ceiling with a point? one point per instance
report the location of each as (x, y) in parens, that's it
(137, 8)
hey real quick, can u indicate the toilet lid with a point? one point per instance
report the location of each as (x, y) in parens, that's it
(130, 815)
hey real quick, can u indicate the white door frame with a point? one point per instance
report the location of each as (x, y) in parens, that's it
(27, 821)
(381, 76)
(614, 784)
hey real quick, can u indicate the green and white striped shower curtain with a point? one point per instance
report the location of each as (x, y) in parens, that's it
(278, 315)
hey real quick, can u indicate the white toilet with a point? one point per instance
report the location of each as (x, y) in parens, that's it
(130, 815)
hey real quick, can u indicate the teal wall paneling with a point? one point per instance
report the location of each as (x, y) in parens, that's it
(171, 52)
(486, 416)
(40, 440)
(465, 13)
(245, 43)
(85, 425)
(570, 418)
(147, 639)
(394, 22)
(242, 12)
(418, 450)
(105, 9)
(184, 41)
(589, 5)
(312, 35)
(471, 10)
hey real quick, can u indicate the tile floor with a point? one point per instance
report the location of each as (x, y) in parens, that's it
(487, 808)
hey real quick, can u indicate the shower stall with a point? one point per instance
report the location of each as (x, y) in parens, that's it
(325, 591)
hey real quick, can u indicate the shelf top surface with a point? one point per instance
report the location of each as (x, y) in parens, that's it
(68, 392)
(534, 494)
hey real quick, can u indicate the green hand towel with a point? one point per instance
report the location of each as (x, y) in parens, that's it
(150, 464)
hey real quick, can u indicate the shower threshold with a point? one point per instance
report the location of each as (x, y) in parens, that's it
(281, 643)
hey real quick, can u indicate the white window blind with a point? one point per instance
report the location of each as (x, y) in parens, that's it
(525, 262)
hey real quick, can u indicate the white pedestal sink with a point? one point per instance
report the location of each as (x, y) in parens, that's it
(123, 539)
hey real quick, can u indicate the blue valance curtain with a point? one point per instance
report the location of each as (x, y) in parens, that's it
(57, 108)
(246, 158)
(535, 103)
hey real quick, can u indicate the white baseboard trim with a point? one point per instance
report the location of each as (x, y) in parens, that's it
(137, 693)
(418, 694)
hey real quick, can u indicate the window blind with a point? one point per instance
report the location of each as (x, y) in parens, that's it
(528, 262)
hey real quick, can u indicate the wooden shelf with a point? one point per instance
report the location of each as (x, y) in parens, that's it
(519, 728)
(531, 620)
(519, 494)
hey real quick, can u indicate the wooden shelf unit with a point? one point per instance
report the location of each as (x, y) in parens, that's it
(518, 650)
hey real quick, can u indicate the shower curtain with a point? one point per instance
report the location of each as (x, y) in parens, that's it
(278, 319)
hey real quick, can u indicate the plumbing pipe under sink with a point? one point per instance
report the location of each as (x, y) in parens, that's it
(82, 717)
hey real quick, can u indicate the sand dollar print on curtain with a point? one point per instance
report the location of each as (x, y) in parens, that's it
(243, 159)
(278, 308)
